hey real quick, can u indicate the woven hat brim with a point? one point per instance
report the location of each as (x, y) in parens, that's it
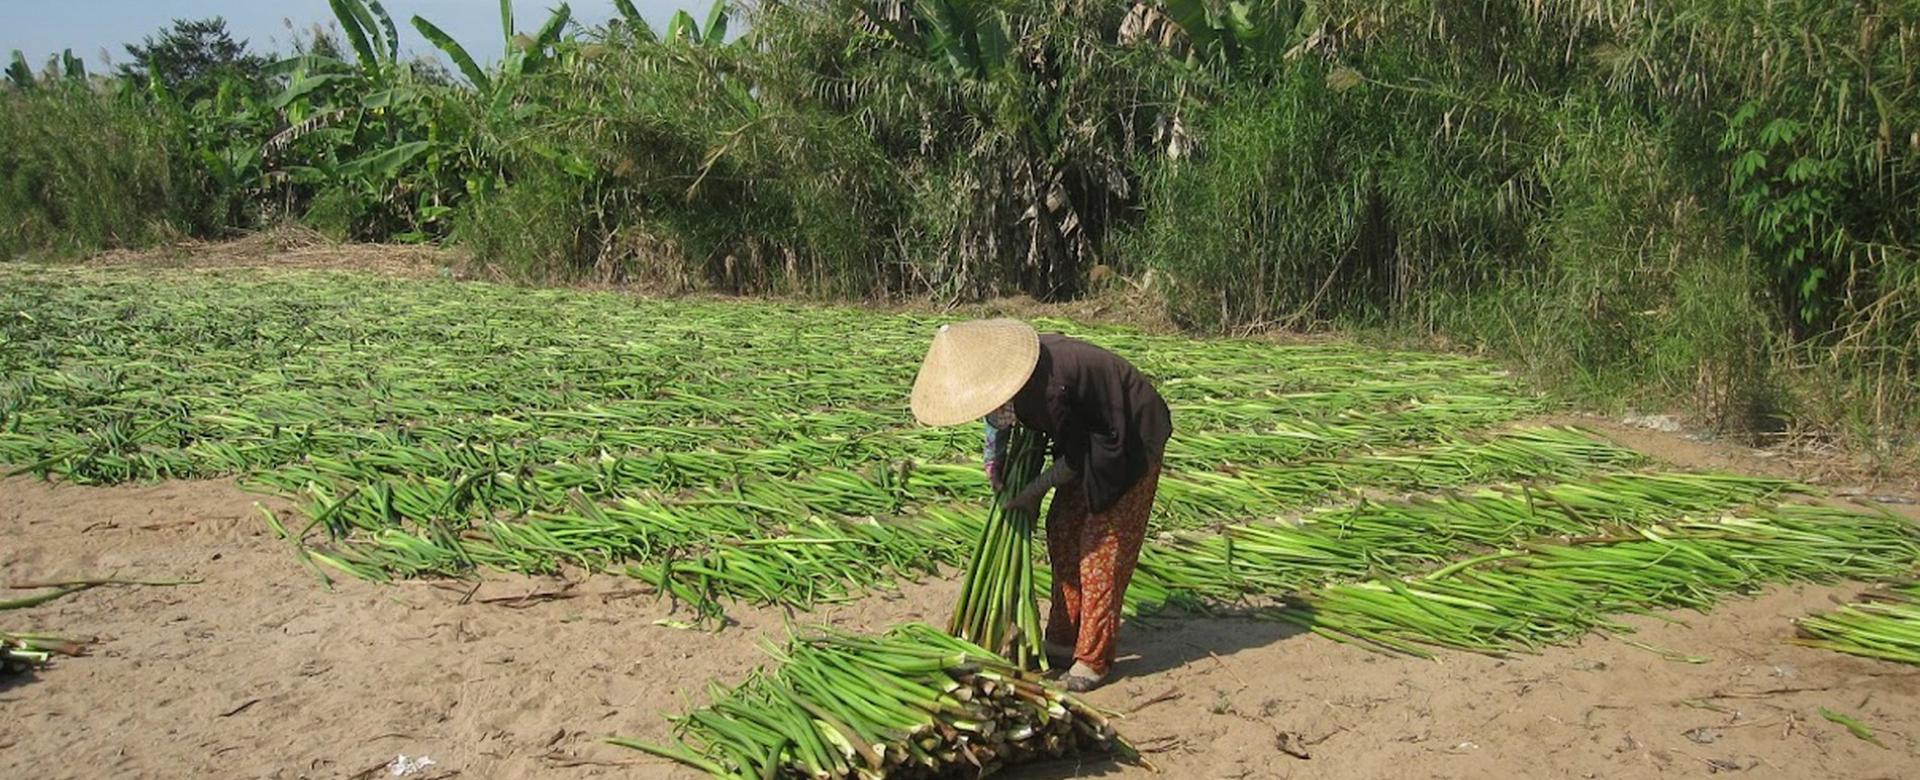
(972, 368)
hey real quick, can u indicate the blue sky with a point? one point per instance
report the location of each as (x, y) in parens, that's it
(46, 27)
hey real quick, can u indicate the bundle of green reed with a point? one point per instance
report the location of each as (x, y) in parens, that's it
(913, 703)
(998, 608)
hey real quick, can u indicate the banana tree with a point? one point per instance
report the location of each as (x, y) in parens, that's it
(367, 137)
(1236, 34)
(1217, 42)
(370, 31)
(549, 49)
(525, 54)
(462, 60)
(317, 83)
(1044, 129)
(65, 66)
(76, 69)
(221, 135)
(683, 29)
(636, 25)
(19, 74)
(542, 51)
(970, 36)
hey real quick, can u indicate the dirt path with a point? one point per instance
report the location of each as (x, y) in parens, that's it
(258, 672)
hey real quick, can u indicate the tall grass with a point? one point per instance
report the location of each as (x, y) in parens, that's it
(655, 164)
(1697, 202)
(82, 171)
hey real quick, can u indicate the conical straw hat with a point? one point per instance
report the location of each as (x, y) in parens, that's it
(972, 368)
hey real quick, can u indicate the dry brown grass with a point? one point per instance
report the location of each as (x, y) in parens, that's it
(295, 247)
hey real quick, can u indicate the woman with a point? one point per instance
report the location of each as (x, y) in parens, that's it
(1108, 429)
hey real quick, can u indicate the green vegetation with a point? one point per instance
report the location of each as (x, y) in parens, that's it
(1885, 624)
(78, 174)
(999, 607)
(913, 703)
(1697, 203)
(760, 453)
(436, 427)
(1542, 594)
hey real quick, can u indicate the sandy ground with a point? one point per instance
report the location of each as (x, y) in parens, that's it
(260, 672)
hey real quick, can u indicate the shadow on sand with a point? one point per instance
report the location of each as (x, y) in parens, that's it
(1172, 641)
(11, 679)
(1165, 643)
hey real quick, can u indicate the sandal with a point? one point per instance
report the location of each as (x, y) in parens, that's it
(1081, 679)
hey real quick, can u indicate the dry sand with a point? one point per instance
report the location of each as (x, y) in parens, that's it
(259, 672)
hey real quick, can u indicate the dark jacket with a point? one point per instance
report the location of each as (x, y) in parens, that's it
(1106, 421)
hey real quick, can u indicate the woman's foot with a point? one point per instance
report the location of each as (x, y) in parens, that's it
(1081, 678)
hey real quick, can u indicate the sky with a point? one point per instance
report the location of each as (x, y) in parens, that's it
(42, 28)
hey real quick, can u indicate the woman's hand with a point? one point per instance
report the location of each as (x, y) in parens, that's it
(1029, 499)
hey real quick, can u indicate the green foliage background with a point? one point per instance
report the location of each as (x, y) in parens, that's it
(1713, 202)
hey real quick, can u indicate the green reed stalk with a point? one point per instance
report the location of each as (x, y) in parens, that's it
(998, 609)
